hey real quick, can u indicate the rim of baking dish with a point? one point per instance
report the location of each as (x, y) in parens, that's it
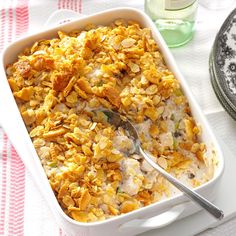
(167, 54)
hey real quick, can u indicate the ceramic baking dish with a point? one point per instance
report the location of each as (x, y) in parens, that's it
(153, 216)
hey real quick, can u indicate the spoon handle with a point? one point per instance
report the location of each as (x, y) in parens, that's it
(208, 206)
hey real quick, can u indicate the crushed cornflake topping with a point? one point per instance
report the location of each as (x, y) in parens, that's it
(92, 167)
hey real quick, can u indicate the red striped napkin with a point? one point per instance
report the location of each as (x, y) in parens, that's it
(14, 22)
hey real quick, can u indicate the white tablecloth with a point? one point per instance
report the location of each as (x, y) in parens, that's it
(23, 211)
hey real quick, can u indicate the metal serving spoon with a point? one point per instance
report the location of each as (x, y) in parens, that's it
(116, 120)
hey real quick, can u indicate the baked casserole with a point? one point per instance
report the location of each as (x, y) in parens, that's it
(91, 166)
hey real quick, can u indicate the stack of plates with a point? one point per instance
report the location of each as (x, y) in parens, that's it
(222, 65)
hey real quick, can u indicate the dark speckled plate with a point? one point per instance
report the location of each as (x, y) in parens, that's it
(223, 64)
(219, 93)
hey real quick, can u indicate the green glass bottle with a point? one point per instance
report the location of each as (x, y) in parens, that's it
(175, 19)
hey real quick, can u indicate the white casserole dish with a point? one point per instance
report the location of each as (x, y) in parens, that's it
(153, 216)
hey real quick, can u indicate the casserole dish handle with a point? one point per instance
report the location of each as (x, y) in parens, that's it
(60, 17)
(155, 222)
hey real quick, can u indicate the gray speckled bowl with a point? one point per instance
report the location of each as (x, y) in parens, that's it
(222, 64)
(218, 91)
